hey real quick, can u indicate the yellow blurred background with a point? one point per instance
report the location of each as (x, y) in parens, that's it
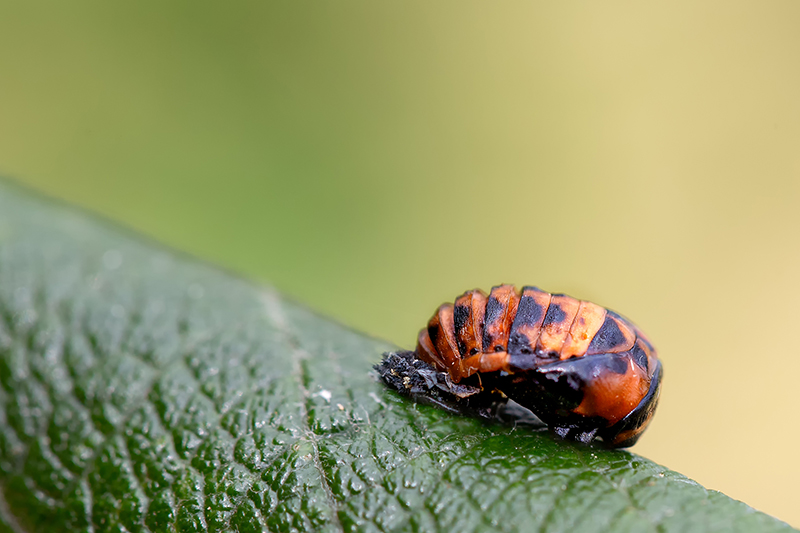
(374, 159)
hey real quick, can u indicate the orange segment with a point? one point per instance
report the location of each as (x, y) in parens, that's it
(427, 352)
(613, 396)
(440, 330)
(501, 307)
(587, 322)
(557, 323)
(494, 361)
(614, 336)
(467, 320)
(527, 324)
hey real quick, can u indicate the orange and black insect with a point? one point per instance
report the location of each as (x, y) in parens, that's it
(582, 369)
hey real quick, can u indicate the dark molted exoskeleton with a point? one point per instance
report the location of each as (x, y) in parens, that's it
(582, 369)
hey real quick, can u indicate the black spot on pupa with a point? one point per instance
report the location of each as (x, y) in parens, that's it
(494, 313)
(616, 364)
(639, 356)
(460, 317)
(529, 314)
(518, 344)
(433, 333)
(494, 310)
(607, 337)
(555, 315)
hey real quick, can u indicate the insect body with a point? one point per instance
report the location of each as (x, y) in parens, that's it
(582, 369)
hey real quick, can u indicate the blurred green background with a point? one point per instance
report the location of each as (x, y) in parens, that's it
(374, 159)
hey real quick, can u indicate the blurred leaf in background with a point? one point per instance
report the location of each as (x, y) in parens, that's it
(643, 157)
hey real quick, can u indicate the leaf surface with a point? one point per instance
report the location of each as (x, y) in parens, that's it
(141, 390)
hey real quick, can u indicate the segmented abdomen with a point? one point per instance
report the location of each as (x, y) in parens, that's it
(513, 331)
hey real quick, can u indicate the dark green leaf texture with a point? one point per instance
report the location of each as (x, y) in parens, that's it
(142, 391)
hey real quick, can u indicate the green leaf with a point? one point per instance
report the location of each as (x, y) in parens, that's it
(143, 391)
